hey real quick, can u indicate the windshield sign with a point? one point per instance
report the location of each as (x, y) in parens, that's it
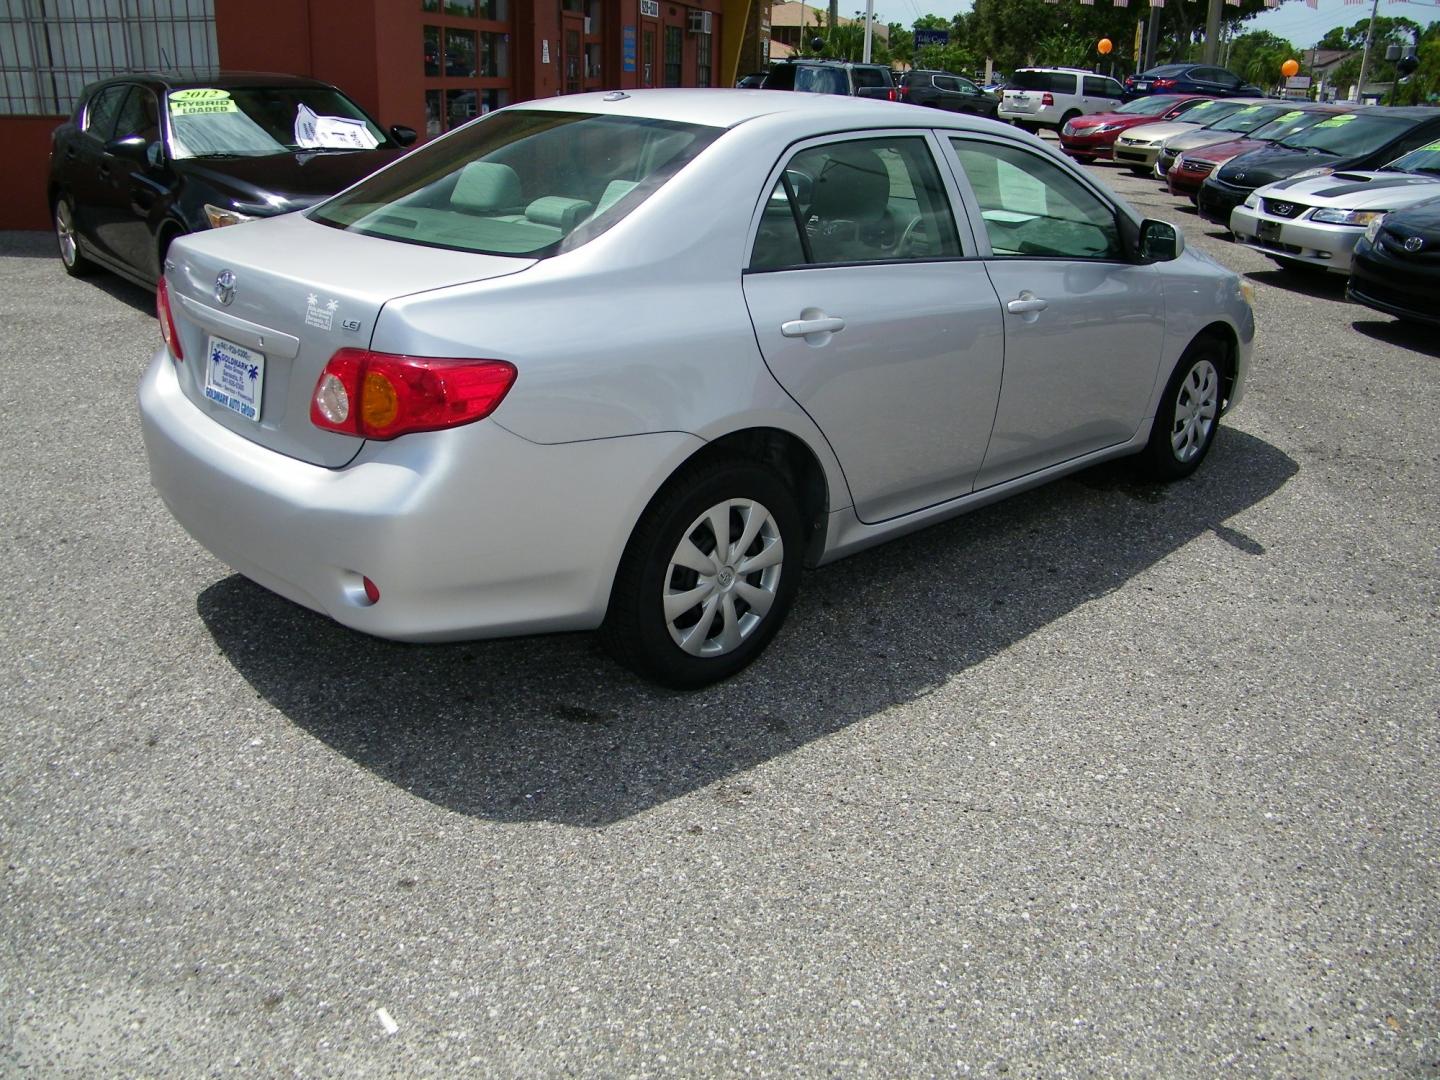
(258, 122)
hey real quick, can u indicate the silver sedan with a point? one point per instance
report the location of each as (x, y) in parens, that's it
(630, 361)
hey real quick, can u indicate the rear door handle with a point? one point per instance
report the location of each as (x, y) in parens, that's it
(806, 327)
(1026, 302)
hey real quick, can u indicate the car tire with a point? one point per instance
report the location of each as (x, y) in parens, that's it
(684, 619)
(1071, 115)
(68, 240)
(1188, 415)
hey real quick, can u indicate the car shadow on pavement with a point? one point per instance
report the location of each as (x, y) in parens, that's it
(1319, 284)
(1404, 335)
(547, 728)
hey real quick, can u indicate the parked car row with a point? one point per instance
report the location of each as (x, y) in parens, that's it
(1339, 187)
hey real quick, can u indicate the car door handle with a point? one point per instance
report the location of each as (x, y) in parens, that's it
(1026, 302)
(806, 327)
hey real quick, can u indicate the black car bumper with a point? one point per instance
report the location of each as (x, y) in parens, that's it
(1396, 282)
(1216, 199)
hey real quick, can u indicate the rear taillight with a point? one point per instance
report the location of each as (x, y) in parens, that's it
(167, 321)
(893, 96)
(381, 396)
(1162, 84)
(1047, 100)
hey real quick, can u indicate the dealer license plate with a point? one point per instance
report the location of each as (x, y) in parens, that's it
(1142, 86)
(1268, 231)
(235, 377)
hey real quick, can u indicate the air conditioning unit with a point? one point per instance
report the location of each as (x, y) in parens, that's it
(700, 22)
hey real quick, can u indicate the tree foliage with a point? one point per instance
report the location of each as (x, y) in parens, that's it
(1256, 57)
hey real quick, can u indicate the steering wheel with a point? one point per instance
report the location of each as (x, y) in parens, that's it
(915, 233)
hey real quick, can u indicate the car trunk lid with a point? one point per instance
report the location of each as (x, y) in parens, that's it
(261, 308)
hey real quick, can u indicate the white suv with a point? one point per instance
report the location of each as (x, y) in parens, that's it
(1047, 97)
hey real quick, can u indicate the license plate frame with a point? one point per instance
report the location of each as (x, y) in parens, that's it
(235, 378)
(1268, 232)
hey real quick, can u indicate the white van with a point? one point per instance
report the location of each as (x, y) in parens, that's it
(1047, 97)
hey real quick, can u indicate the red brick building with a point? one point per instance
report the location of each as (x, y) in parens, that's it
(429, 64)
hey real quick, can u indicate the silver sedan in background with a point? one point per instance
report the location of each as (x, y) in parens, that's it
(630, 361)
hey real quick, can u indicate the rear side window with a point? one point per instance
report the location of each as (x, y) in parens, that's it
(781, 77)
(871, 77)
(858, 201)
(821, 80)
(522, 182)
(103, 108)
(1062, 83)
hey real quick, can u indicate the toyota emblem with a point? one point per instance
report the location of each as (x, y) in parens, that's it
(1413, 244)
(225, 287)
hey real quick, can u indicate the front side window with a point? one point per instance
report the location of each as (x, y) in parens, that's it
(104, 106)
(533, 183)
(1033, 207)
(138, 116)
(866, 200)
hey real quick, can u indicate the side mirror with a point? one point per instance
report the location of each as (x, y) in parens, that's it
(1160, 241)
(403, 135)
(134, 148)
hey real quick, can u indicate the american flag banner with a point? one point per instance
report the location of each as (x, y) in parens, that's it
(1157, 3)
(1313, 4)
(1272, 3)
(1233, 3)
(1122, 3)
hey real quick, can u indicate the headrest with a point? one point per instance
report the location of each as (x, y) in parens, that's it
(486, 186)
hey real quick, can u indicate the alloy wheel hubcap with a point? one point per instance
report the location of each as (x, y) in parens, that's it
(65, 232)
(1196, 406)
(723, 577)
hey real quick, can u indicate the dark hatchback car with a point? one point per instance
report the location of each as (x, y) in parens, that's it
(1396, 265)
(146, 158)
(942, 90)
(1189, 79)
(1363, 139)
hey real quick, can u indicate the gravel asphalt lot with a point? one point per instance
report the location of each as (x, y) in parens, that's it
(1109, 780)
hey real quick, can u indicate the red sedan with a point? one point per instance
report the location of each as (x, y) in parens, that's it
(1089, 138)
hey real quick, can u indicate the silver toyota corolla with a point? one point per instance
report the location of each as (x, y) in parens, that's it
(632, 360)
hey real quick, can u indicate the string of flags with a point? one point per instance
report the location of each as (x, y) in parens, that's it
(1314, 4)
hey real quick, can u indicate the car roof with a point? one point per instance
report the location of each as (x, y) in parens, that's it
(1072, 71)
(211, 79)
(727, 107)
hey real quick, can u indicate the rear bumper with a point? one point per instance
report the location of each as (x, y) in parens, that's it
(471, 532)
(1328, 247)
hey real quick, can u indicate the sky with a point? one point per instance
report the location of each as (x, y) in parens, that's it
(1294, 20)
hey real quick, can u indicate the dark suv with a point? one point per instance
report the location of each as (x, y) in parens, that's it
(832, 77)
(942, 90)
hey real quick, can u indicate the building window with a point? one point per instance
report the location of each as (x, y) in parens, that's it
(432, 50)
(46, 60)
(494, 55)
(464, 9)
(674, 52)
(495, 10)
(434, 118)
(702, 60)
(459, 53)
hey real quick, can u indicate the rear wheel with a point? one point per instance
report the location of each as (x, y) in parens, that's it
(76, 264)
(707, 577)
(1189, 413)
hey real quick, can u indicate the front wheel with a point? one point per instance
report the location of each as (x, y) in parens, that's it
(66, 238)
(707, 577)
(1188, 416)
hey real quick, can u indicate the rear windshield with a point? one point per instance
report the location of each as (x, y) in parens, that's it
(1350, 134)
(1164, 71)
(519, 182)
(259, 121)
(1057, 81)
